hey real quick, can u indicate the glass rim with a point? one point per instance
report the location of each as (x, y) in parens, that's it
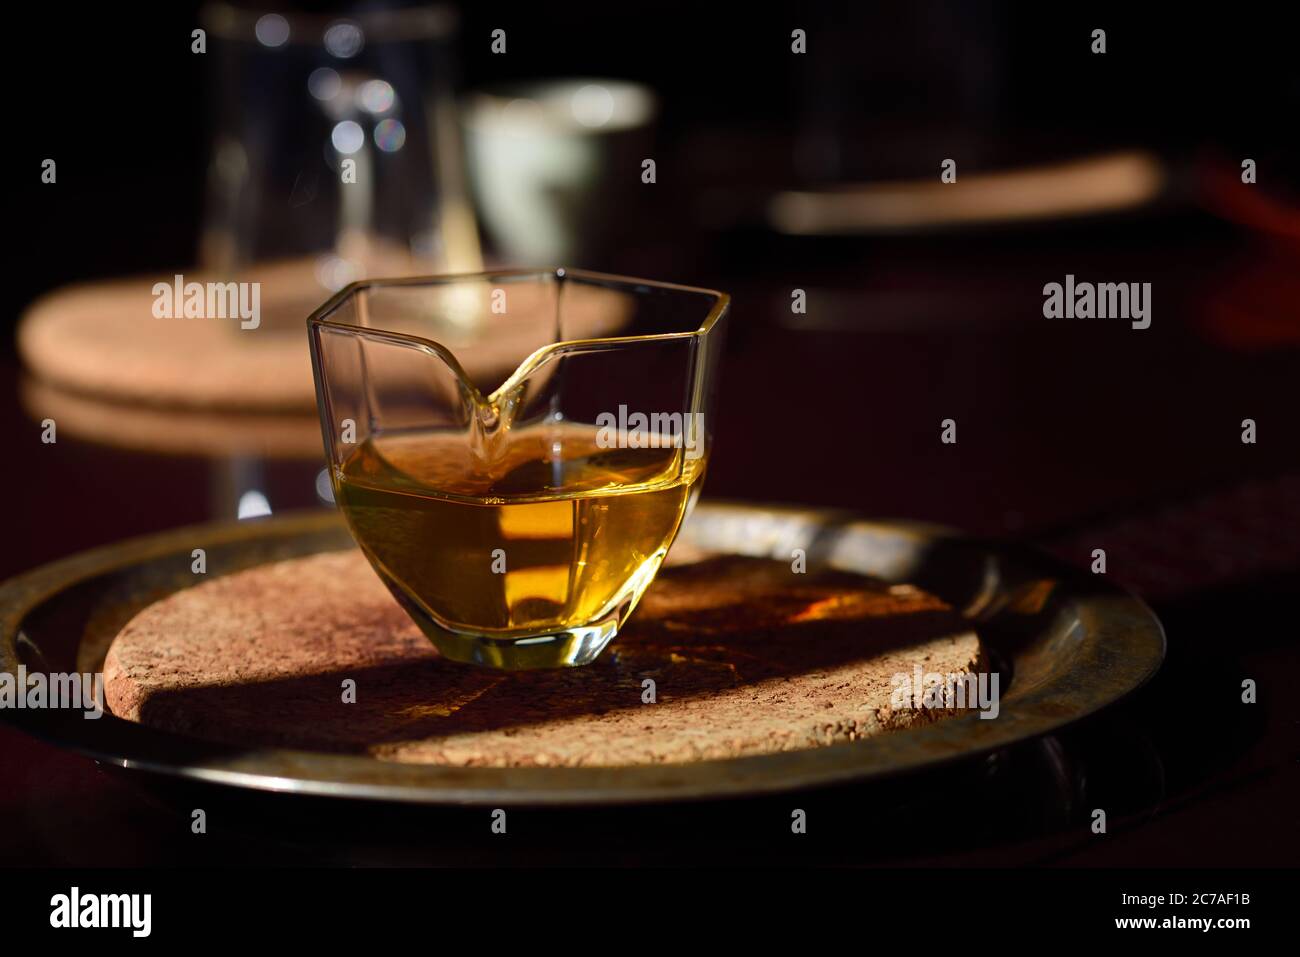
(319, 320)
(534, 360)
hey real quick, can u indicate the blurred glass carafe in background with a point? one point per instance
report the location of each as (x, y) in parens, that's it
(335, 153)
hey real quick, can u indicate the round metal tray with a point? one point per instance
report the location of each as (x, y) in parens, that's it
(1066, 643)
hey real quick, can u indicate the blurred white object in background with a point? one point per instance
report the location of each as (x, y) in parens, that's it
(548, 161)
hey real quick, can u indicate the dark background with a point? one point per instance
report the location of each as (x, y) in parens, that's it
(119, 98)
(1071, 435)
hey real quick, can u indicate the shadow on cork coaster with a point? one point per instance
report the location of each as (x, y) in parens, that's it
(726, 656)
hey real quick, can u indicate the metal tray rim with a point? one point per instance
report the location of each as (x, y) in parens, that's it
(128, 745)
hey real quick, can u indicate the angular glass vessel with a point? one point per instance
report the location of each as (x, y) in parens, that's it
(516, 451)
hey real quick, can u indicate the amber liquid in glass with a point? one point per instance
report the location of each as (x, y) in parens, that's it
(549, 531)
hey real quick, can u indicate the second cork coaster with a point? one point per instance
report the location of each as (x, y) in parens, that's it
(726, 656)
(103, 340)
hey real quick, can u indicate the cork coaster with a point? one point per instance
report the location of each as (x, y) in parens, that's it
(746, 658)
(102, 339)
(148, 428)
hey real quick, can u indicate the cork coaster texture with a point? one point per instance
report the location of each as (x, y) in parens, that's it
(101, 339)
(746, 657)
